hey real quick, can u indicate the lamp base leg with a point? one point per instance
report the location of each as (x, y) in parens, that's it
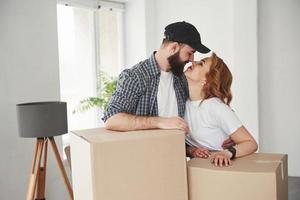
(37, 180)
(61, 167)
(34, 169)
(41, 176)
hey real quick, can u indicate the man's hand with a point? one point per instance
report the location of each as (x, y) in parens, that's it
(173, 123)
(200, 153)
(227, 143)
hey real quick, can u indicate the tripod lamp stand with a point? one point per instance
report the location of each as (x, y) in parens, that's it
(43, 121)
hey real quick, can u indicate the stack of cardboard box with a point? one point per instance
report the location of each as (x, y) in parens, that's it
(151, 165)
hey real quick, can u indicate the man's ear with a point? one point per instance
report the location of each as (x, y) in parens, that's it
(174, 47)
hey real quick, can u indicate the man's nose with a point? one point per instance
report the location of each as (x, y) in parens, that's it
(191, 58)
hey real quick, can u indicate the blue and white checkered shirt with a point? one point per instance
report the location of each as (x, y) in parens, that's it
(136, 92)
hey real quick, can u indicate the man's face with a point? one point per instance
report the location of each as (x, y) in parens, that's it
(178, 60)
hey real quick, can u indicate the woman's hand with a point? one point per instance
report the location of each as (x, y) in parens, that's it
(200, 153)
(221, 158)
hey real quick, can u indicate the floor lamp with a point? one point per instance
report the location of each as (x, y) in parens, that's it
(43, 121)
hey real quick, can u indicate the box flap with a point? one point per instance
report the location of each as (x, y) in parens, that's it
(99, 135)
(253, 163)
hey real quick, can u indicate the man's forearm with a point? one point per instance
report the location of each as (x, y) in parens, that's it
(128, 122)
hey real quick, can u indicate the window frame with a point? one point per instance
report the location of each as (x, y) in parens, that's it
(96, 6)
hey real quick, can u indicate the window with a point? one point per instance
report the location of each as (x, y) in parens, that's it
(110, 42)
(90, 41)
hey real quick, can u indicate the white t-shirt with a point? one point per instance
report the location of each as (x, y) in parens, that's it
(166, 97)
(210, 123)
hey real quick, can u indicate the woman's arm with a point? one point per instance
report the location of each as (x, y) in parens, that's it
(245, 145)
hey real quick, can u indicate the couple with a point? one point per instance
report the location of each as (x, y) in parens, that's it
(156, 93)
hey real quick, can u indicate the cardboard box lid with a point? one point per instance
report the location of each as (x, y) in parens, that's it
(101, 135)
(257, 162)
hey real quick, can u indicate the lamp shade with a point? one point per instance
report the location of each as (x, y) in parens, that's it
(42, 119)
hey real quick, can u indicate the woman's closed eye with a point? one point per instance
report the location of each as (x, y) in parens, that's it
(201, 63)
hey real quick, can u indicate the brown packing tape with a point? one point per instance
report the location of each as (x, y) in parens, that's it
(273, 161)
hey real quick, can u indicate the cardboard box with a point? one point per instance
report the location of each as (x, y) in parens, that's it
(254, 177)
(138, 165)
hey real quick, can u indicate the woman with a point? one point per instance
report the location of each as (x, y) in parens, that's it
(211, 121)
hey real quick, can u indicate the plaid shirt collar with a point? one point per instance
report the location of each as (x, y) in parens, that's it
(154, 68)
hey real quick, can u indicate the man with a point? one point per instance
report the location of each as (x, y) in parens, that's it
(153, 93)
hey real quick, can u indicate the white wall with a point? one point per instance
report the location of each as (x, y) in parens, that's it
(28, 72)
(227, 27)
(135, 32)
(279, 82)
(245, 64)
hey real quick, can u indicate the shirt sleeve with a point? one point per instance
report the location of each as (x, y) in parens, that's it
(226, 118)
(126, 96)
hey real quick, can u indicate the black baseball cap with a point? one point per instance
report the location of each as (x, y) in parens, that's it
(184, 32)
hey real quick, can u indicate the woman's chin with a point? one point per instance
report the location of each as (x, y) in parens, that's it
(186, 74)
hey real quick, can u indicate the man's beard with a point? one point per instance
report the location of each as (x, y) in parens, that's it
(176, 64)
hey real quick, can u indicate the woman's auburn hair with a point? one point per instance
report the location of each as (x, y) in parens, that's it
(218, 81)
